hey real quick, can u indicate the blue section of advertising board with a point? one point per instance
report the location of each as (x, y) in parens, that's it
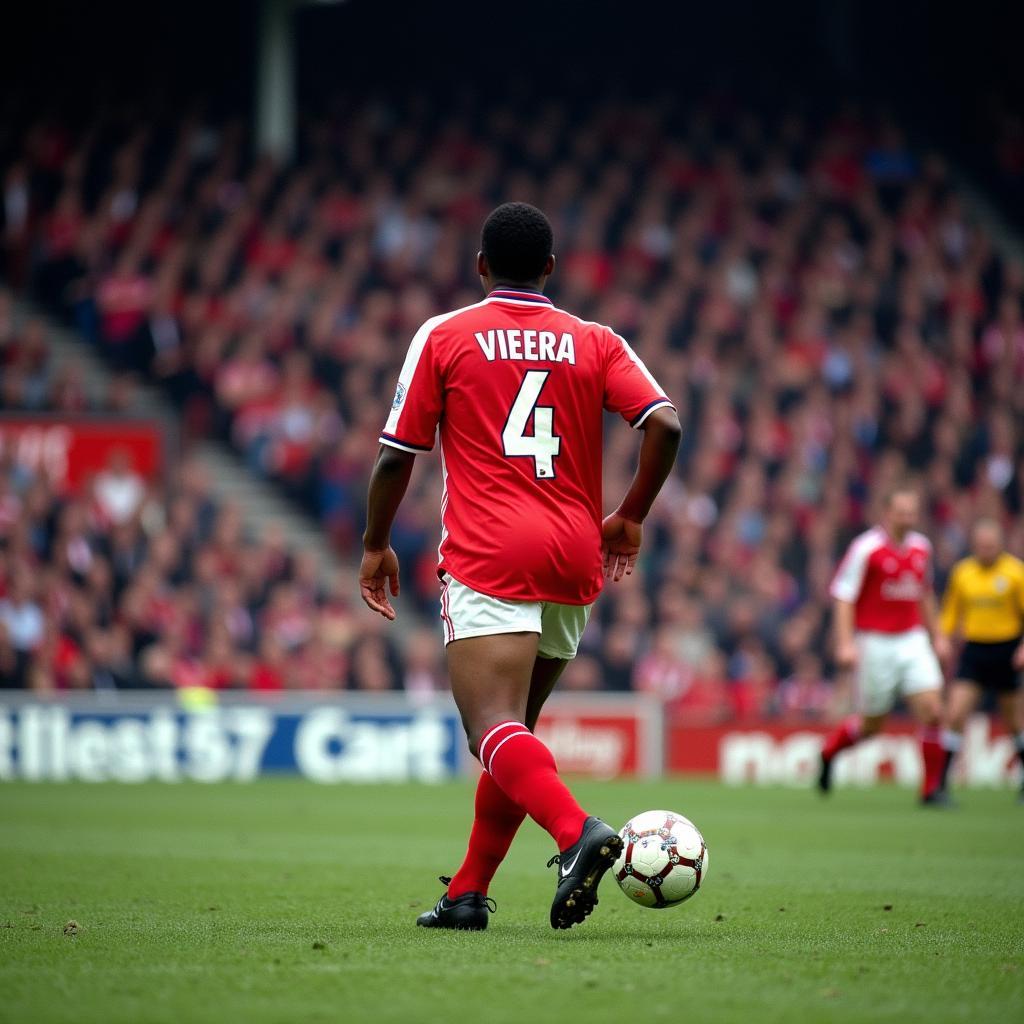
(325, 743)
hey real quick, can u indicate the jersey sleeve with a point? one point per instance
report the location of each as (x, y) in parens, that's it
(952, 604)
(849, 578)
(629, 388)
(418, 402)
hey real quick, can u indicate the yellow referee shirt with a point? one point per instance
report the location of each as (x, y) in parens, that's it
(985, 602)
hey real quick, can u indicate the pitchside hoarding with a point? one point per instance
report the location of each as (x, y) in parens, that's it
(388, 738)
(770, 753)
(605, 736)
(127, 739)
(348, 738)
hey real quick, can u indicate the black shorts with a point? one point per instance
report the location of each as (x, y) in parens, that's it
(990, 665)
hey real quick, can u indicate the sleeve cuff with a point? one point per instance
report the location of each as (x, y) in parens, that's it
(658, 403)
(404, 446)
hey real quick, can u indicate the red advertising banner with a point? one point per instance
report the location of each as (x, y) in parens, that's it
(603, 737)
(770, 753)
(71, 451)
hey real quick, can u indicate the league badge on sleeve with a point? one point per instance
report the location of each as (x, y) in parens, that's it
(399, 396)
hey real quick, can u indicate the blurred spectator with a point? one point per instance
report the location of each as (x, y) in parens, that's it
(118, 490)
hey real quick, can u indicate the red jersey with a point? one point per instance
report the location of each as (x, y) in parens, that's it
(885, 581)
(516, 389)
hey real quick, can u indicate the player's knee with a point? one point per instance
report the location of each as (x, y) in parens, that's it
(473, 740)
(473, 736)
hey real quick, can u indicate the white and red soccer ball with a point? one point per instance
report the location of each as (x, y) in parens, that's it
(664, 859)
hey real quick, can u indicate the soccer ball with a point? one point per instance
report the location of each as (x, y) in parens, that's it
(664, 859)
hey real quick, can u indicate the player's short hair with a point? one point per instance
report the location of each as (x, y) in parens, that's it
(903, 487)
(517, 241)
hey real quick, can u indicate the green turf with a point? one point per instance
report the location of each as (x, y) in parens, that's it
(284, 901)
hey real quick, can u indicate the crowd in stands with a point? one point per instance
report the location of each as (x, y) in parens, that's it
(135, 586)
(811, 292)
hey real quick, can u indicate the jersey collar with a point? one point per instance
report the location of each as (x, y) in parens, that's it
(901, 545)
(515, 295)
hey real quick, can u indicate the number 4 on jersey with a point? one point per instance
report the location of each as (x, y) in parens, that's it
(543, 444)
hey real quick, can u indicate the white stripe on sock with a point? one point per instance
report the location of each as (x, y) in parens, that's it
(492, 732)
(490, 761)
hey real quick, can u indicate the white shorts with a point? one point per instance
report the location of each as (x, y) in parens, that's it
(894, 664)
(466, 613)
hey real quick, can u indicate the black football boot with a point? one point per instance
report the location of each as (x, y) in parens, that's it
(467, 912)
(580, 870)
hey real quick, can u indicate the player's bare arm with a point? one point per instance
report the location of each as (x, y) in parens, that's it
(378, 571)
(622, 531)
(846, 649)
(930, 611)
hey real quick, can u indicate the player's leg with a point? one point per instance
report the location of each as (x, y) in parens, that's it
(1013, 715)
(926, 707)
(496, 817)
(546, 673)
(875, 688)
(490, 677)
(961, 700)
(921, 681)
(582, 865)
(491, 670)
(493, 694)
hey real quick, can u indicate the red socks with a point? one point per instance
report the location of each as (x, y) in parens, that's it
(845, 736)
(495, 824)
(526, 772)
(933, 755)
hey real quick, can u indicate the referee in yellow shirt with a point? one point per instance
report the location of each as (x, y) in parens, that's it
(984, 605)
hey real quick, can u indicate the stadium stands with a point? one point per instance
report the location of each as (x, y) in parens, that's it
(134, 587)
(814, 295)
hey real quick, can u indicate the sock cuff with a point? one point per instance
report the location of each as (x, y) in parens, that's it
(495, 732)
(495, 740)
(951, 741)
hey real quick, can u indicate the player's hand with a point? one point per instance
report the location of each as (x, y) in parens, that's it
(846, 655)
(620, 544)
(377, 569)
(943, 649)
(1018, 657)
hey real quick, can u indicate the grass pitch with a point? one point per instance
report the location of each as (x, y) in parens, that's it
(283, 901)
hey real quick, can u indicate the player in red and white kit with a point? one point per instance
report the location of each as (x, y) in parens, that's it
(887, 633)
(516, 389)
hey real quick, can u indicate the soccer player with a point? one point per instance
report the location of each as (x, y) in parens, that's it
(516, 389)
(984, 606)
(884, 612)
